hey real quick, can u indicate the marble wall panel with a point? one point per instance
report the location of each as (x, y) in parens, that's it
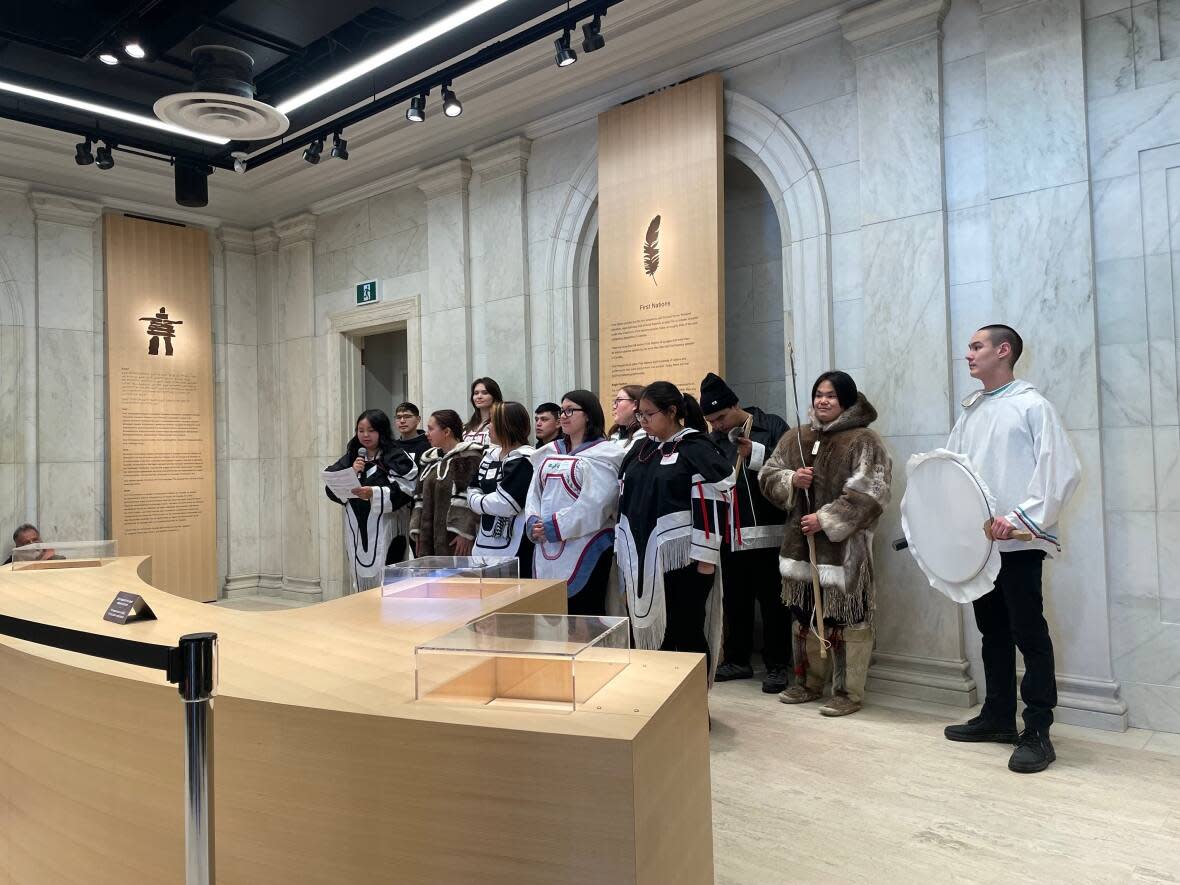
(841, 187)
(1164, 406)
(241, 298)
(1123, 125)
(502, 272)
(905, 159)
(65, 276)
(293, 288)
(507, 355)
(1167, 468)
(970, 309)
(1124, 375)
(849, 325)
(964, 95)
(1110, 54)
(242, 402)
(446, 376)
(1121, 294)
(1118, 226)
(962, 30)
(1041, 262)
(12, 359)
(1036, 96)
(343, 227)
(447, 245)
(830, 129)
(817, 70)
(297, 361)
(301, 502)
(66, 501)
(65, 396)
(965, 159)
(905, 319)
(270, 516)
(12, 501)
(1168, 539)
(555, 158)
(847, 279)
(396, 211)
(969, 245)
(1129, 475)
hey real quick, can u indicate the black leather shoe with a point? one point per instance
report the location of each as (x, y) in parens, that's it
(775, 680)
(1033, 753)
(728, 671)
(979, 730)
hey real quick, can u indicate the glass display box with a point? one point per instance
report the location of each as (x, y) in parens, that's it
(553, 662)
(47, 555)
(451, 577)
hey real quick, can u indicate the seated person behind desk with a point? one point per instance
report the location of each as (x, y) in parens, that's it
(27, 534)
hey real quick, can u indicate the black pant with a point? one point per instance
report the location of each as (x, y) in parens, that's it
(751, 575)
(685, 593)
(1009, 617)
(591, 599)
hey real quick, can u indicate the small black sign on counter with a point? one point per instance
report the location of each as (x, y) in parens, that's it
(128, 607)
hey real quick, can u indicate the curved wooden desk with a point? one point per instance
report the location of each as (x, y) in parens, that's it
(327, 771)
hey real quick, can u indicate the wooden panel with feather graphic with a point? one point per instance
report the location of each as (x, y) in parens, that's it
(661, 225)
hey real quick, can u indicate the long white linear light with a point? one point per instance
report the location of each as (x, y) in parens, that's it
(456, 19)
(104, 111)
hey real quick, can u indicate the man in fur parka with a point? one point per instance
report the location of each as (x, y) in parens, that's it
(846, 472)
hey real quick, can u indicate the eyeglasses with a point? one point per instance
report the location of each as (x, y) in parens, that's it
(621, 399)
(646, 416)
(565, 413)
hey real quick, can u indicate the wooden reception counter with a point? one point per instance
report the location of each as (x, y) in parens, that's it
(326, 768)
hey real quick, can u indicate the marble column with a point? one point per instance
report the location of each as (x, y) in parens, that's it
(499, 268)
(897, 46)
(1043, 285)
(299, 461)
(239, 405)
(446, 308)
(69, 476)
(271, 467)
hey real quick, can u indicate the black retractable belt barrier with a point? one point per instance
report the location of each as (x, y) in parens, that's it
(192, 666)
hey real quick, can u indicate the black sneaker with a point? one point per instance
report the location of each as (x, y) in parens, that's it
(979, 730)
(775, 680)
(728, 671)
(1034, 752)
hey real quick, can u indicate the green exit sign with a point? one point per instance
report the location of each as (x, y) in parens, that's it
(367, 292)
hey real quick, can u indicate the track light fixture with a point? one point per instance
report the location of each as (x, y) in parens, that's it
(108, 58)
(82, 153)
(239, 161)
(416, 112)
(592, 34)
(339, 147)
(452, 107)
(103, 158)
(312, 152)
(564, 55)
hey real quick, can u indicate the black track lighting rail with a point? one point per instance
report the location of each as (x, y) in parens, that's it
(568, 18)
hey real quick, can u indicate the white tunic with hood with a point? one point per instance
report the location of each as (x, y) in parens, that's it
(1016, 441)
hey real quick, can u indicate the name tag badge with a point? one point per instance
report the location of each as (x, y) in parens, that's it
(670, 458)
(815, 448)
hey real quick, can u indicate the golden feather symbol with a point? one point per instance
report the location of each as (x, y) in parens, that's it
(651, 249)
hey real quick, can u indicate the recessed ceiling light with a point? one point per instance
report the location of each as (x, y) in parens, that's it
(134, 49)
(108, 58)
(456, 19)
(104, 111)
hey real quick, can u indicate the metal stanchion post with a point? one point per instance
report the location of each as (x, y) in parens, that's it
(198, 685)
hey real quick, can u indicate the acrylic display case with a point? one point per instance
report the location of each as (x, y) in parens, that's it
(451, 577)
(554, 662)
(48, 555)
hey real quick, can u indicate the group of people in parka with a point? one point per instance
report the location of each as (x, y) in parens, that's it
(649, 517)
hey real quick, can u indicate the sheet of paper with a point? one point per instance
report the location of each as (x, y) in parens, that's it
(340, 482)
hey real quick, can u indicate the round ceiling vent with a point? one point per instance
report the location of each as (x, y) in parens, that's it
(222, 101)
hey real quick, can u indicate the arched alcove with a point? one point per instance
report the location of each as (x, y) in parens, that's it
(765, 145)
